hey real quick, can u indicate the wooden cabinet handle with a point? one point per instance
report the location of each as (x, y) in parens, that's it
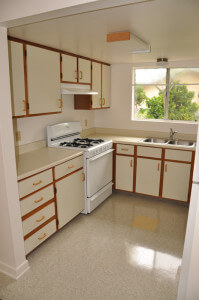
(24, 101)
(70, 167)
(131, 163)
(75, 74)
(39, 182)
(61, 103)
(124, 149)
(42, 237)
(83, 176)
(158, 166)
(81, 75)
(165, 167)
(43, 217)
(37, 201)
(103, 101)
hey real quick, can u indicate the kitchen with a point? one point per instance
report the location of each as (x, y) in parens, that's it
(116, 121)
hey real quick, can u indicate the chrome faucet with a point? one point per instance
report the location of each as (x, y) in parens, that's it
(172, 134)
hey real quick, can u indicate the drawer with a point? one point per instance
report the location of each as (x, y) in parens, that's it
(68, 167)
(125, 149)
(34, 183)
(38, 218)
(40, 236)
(178, 155)
(32, 202)
(149, 152)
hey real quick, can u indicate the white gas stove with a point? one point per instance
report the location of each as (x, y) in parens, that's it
(97, 160)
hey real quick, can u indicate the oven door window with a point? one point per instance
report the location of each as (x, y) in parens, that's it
(99, 172)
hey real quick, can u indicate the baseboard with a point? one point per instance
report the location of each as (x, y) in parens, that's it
(12, 272)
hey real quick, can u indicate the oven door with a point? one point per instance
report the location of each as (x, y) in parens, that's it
(99, 172)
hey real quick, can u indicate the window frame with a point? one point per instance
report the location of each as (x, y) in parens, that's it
(167, 85)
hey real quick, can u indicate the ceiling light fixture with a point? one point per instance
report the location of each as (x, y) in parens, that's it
(128, 39)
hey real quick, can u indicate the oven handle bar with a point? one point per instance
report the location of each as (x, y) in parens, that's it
(100, 155)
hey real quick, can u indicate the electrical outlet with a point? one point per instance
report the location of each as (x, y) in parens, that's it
(18, 136)
(86, 123)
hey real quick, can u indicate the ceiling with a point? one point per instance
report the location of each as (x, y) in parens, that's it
(171, 27)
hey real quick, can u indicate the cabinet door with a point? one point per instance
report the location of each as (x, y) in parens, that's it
(176, 181)
(17, 82)
(96, 85)
(84, 67)
(43, 73)
(105, 86)
(148, 176)
(70, 197)
(124, 173)
(69, 68)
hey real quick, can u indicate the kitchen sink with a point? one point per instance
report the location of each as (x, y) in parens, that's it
(181, 143)
(155, 140)
(169, 142)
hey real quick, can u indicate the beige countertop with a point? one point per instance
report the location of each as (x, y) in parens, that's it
(137, 141)
(38, 160)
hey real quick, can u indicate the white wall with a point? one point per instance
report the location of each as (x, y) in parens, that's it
(119, 115)
(12, 255)
(34, 128)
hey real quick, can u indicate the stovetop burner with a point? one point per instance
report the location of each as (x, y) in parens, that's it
(82, 143)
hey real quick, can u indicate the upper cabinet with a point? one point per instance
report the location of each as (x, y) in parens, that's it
(105, 86)
(84, 71)
(36, 72)
(43, 78)
(75, 70)
(35, 80)
(101, 84)
(96, 84)
(69, 71)
(17, 82)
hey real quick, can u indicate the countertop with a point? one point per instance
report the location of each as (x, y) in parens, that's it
(38, 160)
(137, 141)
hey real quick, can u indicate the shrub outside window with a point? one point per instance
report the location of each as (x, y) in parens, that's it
(166, 94)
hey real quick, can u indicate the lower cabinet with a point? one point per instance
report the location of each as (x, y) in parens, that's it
(70, 197)
(176, 181)
(148, 176)
(161, 173)
(124, 173)
(42, 205)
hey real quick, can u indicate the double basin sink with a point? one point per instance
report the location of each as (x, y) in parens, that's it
(169, 142)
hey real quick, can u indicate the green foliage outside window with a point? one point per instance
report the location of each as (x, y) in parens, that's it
(181, 106)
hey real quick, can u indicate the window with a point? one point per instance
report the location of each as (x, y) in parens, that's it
(166, 93)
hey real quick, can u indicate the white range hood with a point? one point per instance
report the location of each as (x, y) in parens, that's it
(76, 89)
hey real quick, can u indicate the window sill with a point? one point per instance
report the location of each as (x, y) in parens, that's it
(165, 121)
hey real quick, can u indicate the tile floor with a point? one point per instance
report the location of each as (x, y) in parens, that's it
(105, 256)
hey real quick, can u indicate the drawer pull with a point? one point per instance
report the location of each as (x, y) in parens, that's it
(24, 101)
(103, 101)
(37, 201)
(158, 166)
(83, 176)
(75, 74)
(42, 237)
(70, 167)
(60, 103)
(43, 217)
(166, 168)
(124, 149)
(39, 182)
(131, 163)
(81, 75)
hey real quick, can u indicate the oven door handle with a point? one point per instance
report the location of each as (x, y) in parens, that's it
(100, 155)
